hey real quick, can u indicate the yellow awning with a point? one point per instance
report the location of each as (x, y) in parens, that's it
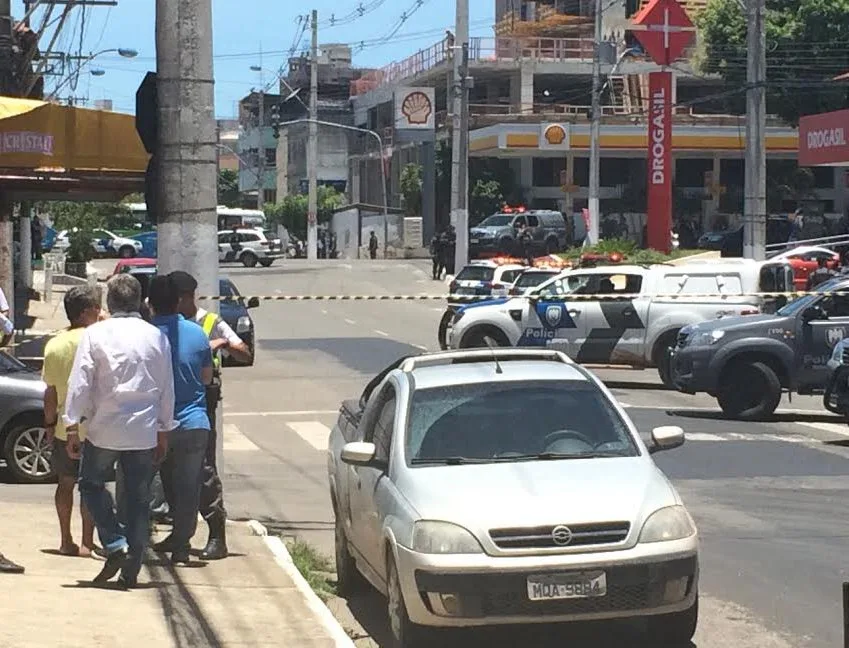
(42, 135)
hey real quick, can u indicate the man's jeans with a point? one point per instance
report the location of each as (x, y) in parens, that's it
(137, 467)
(181, 478)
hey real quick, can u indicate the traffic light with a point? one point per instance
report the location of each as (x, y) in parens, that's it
(275, 121)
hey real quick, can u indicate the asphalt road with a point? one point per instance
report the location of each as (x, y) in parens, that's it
(770, 498)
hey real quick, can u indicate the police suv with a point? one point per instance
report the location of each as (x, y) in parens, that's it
(745, 363)
(622, 315)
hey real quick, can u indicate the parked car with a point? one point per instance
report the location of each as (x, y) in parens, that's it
(23, 439)
(497, 234)
(139, 262)
(105, 243)
(254, 246)
(233, 308)
(150, 248)
(461, 495)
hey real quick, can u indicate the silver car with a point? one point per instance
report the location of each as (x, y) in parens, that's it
(505, 486)
(23, 440)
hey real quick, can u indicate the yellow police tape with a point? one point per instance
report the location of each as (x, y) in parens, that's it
(477, 298)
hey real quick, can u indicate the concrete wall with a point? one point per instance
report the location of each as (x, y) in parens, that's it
(345, 226)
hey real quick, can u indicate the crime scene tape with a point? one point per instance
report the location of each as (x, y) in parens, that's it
(569, 297)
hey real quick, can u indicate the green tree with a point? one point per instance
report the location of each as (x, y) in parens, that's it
(486, 199)
(67, 215)
(411, 189)
(292, 210)
(228, 188)
(806, 48)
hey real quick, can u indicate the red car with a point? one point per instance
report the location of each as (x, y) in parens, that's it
(124, 265)
(805, 259)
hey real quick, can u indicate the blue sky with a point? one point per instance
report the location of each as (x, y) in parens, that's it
(246, 33)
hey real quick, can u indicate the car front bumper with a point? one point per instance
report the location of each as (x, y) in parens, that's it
(477, 590)
(691, 370)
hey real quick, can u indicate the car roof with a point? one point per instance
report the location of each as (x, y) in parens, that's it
(485, 372)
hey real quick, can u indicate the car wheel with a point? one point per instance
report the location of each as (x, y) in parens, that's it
(126, 252)
(348, 578)
(749, 391)
(405, 633)
(662, 357)
(484, 338)
(249, 260)
(265, 263)
(442, 333)
(28, 452)
(676, 629)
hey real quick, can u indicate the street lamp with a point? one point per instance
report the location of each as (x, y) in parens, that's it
(98, 72)
(124, 52)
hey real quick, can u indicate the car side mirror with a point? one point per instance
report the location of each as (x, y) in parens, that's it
(359, 454)
(666, 437)
(253, 302)
(813, 313)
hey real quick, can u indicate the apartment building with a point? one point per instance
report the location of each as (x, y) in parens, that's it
(533, 79)
(228, 144)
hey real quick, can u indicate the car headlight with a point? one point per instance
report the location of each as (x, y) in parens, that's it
(243, 325)
(707, 338)
(443, 538)
(666, 524)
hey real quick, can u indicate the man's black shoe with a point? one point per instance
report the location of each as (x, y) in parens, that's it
(128, 583)
(216, 549)
(181, 557)
(114, 563)
(8, 567)
(164, 546)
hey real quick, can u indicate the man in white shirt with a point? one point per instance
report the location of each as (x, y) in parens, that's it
(221, 337)
(122, 386)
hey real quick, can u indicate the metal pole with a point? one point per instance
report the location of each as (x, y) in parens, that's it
(595, 131)
(459, 150)
(7, 87)
(260, 179)
(754, 208)
(312, 146)
(845, 615)
(26, 244)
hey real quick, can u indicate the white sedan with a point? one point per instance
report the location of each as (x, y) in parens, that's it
(105, 243)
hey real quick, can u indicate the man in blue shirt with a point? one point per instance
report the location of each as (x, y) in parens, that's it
(181, 470)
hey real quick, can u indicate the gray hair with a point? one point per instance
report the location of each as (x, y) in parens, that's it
(79, 299)
(123, 294)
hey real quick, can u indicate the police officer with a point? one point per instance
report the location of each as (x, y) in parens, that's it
(221, 337)
(821, 274)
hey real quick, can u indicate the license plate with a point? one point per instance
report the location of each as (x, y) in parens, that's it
(567, 586)
(474, 240)
(464, 291)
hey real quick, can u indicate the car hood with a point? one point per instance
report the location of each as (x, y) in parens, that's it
(490, 231)
(536, 493)
(738, 324)
(22, 380)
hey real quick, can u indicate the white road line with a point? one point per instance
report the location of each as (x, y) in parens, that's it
(315, 433)
(789, 439)
(381, 333)
(349, 321)
(420, 346)
(736, 436)
(235, 441)
(324, 311)
(834, 428)
(282, 413)
(701, 436)
(438, 310)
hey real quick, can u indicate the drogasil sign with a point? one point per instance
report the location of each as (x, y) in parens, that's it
(824, 139)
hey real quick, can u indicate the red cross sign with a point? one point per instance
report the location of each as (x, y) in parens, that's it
(664, 30)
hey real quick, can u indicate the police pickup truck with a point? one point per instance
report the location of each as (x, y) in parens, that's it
(745, 363)
(621, 315)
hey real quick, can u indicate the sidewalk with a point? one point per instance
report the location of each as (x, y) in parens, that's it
(245, 600)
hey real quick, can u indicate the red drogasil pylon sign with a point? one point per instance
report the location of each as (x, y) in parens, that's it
(664, 30)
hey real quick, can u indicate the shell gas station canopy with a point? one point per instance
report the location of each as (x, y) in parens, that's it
(54, 152)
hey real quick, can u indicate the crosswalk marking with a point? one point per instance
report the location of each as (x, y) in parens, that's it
(315, 433)
(835, 428)
(701, 436)
(747, 438)
(235, 441)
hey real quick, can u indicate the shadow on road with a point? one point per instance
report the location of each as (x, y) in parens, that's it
(369, 610)
(781, 417)
(365, 355)
(636, 386)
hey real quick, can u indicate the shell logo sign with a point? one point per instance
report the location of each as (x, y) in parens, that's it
(554, 136)
(414, 109)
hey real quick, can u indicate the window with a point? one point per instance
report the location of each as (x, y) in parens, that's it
(271, 157)
(383, 429)
(531, 279)
(684, 284)
(563, 286)
(476, 273)
(836, 306)
(269, 196)
(514, 421)
(224, 238)
(605, 284)
(248, 237)
(533, 221)
(519, 221)
(509, 276)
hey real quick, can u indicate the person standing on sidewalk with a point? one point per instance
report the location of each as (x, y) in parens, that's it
(372, 245)
(82, 308)
(8, 567)
(122, 385)
(220, 337)
(192, 364)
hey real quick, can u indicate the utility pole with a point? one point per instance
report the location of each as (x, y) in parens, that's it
(25, 219)
(460, 136)
(754, 208)
(260, 176)
(7, 87)
(312, 146)
(595, 133)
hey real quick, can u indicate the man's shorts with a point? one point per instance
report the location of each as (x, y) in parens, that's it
(62, 463)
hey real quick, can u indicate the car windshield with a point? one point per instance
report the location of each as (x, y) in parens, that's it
(529, 279)
(497, 220)
(798, 305)
(476, 273)
(227, 290)
(514, 421)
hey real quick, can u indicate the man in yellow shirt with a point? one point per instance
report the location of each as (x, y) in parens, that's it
(82, 307)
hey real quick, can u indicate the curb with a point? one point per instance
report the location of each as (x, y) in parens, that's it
(284, 560)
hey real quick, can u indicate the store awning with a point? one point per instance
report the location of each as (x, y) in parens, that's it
(42, 136)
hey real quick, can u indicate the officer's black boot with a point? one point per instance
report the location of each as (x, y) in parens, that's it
(216, 546)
